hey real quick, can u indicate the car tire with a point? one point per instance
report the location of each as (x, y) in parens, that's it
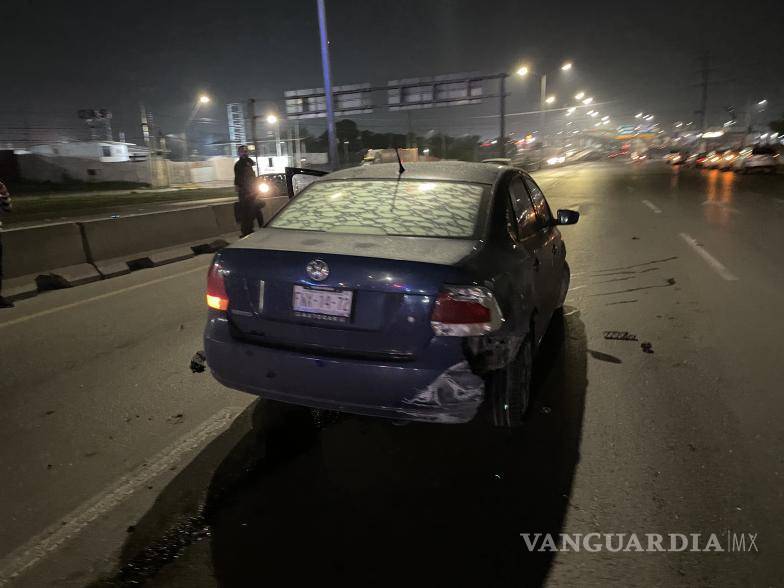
(510, 388)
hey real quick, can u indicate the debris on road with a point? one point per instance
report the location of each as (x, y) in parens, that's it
(198, 362)
(175, 419)
(545, 410)
(646, 347)
(620, 336)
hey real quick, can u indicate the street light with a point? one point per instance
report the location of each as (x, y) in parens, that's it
(273, 120)
(202, 99)
(523, 71)
(579, 96)
(588, 100)
(762, 102)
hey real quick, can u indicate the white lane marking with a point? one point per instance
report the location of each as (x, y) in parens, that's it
(652, 206)
(573, 288)
(712, 261)
(722, 206)
(57, 535)
(49, 311)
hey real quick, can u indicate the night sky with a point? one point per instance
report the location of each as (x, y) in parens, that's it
(60, 56)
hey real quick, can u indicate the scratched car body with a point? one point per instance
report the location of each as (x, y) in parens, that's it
(413, 295)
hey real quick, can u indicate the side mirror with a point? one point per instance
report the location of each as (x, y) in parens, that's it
(565, 216)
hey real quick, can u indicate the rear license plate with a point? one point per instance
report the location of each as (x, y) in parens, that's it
(318, 301)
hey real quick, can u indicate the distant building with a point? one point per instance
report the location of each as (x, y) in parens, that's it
(237, 133)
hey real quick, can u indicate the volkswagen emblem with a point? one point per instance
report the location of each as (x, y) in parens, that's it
(318, 270)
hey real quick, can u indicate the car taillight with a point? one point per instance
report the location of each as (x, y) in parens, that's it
(217, 297)
(465, 311)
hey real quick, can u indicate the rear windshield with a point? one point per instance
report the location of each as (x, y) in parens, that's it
(385, 207)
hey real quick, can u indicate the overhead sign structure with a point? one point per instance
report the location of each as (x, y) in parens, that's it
(444, 90)
(311, 103)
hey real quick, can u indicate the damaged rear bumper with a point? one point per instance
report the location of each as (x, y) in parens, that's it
(441, 388)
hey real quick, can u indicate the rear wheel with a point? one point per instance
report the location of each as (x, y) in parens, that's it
(510, 388)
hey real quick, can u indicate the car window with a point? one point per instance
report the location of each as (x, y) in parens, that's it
(526, 216)
(540, 204)
(386, 207)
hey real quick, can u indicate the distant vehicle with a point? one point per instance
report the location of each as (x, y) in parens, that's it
(674, 156)
(713, 158)
(374, 156)
(271, 185)
(727, 159)
(697, 159)
(638, 156)
(413, 296)
(756, 158)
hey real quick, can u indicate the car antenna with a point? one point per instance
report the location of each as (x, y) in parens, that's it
(401, 169)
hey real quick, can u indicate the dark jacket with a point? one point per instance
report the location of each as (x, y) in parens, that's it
(244, 176)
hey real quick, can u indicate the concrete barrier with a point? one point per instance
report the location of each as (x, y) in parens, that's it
(117, 245)
(225, 217)
(45, 256)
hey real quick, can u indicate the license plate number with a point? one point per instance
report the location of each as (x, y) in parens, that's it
(326, 302)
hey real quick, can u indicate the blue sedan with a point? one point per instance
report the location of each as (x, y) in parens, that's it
(417, 294)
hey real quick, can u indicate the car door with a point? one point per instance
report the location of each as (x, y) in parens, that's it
(533, 251)
(297, 178)
(551, 250)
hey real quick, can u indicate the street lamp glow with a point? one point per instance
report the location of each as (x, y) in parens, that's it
(762, 102)
(594, 114)
(272, 119)
(570, 110)
(579, 96)
(550, 99)
(588, 100)
(522, 71)
(605, 118)
(678, 125)
(204, 99)
(638, 115)
(566, 66)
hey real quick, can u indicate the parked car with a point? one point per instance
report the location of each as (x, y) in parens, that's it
(756, 158)
(414, 295)
(713, 158)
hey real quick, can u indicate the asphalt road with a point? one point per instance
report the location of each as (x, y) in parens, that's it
(120, 466)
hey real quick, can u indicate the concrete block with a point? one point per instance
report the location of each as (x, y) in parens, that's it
(54, 252)
(149, 239)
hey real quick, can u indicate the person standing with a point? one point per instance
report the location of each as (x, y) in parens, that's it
(245, 184)
(5, 207)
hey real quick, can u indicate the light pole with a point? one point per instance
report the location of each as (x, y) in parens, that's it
(325, 68)
(273, 120)
(544, 101)
(201, 100)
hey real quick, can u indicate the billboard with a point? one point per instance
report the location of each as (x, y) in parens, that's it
(312, 103)
(444, 90)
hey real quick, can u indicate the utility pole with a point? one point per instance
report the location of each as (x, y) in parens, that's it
(333, 143)
(543, 105)
(502, 115)
(705, 75)
(252, 118)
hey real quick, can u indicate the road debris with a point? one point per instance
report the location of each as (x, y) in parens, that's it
(646, 347)
(198, 362)
(620, 336)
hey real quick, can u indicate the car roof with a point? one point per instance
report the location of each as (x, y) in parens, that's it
(459, 171)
